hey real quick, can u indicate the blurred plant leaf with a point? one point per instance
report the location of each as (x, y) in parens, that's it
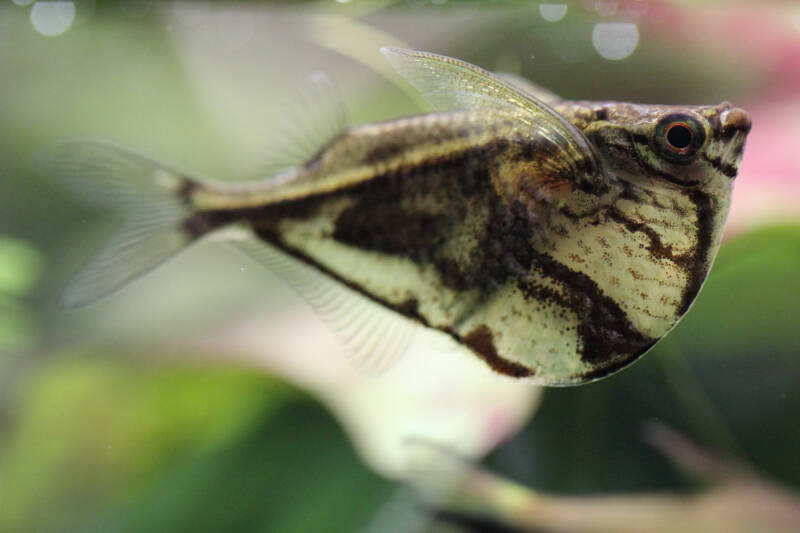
(293, 472)
(17, 327)
(88, 432)
(20, 266)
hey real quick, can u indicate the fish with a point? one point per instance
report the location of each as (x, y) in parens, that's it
(556, 240)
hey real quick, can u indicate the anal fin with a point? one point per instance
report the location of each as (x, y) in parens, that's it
(372, 336)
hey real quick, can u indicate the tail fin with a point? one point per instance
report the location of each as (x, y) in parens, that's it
(148, 198)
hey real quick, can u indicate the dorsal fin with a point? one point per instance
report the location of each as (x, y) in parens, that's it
(312, 118)
(521, 82)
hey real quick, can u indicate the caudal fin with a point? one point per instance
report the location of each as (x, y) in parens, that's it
(146, 196)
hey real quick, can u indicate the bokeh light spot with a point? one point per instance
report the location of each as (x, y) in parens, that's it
(52, 18)
(552, 12)
(796, 21)
(605, 8)
(615, 40)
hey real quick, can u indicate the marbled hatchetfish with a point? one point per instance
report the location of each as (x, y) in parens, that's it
(556, 240)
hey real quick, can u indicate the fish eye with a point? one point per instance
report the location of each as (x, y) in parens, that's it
(678, 137)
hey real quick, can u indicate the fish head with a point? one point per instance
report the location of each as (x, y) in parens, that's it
(661, 147)
(651, 248)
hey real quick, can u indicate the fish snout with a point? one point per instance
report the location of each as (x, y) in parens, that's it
(735, 120)
(734, 125)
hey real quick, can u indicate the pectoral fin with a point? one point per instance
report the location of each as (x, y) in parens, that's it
(450, 83)
(373, 337)
(536, 91)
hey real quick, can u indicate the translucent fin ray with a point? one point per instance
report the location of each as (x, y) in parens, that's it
(313, 118)
(145, 195)
(450, 84)
(372, 337)
(529, 87)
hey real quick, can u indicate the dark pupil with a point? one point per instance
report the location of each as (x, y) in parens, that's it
(679, 136)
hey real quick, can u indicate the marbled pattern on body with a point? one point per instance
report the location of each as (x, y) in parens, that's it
(464, 222)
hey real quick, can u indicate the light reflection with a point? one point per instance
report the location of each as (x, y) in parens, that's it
(796, 21)
(52, 18)
(615, 40)
(22, 2)
(552, 12)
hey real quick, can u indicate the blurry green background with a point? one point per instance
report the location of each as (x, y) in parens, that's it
(109, 423)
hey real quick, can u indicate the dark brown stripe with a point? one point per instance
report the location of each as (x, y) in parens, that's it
(725, 168)
(481, 341)
(608, 340)
(617, 365)
(384, 152)
(186, 188)
(657, 249)
(305, 207)
(698, 269)
(203, 222)
(376, 181)
(407, 308)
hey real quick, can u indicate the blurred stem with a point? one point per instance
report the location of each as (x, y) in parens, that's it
(741, 503)
(702, 414)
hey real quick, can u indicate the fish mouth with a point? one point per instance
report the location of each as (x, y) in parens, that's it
(735, 120)
(731, 131)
